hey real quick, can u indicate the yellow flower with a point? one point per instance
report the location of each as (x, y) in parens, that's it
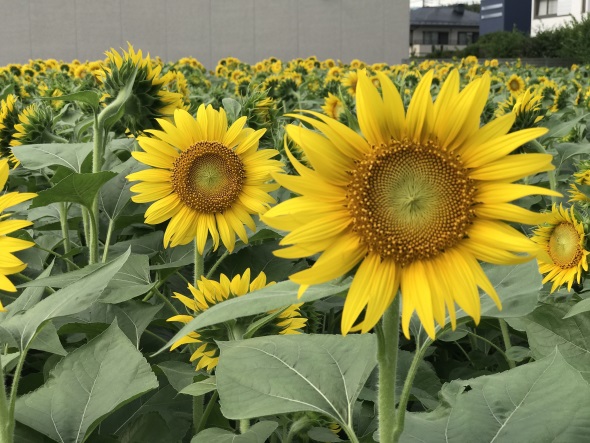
(349, 81)
(563, 239)
(205, 177)
(211, 292)
(515, 84)
(8, 119)
(333, 106)
(415, 201)
(9, 264)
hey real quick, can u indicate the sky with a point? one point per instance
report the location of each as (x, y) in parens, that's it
(418, 3)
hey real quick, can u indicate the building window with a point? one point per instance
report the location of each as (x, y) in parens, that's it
(466, 38)
(435, 38)
(546, 7)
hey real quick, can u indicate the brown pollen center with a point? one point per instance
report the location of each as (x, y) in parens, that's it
(208, 177)
(564, 246)
(410, 201)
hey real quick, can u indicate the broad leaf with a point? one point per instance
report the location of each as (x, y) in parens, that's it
(179, 374)
(546, 328)
(282, 374)
(69, 300)
(200, 388)
(39, 156)
(89, 97)
(267, 299)
(538, 402)
(75, 188)
(258, 433)
(115, 194)
(85, 386)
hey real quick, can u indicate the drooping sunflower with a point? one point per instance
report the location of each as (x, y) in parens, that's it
(415, 201)
(563, 238)
(211, 292)
(151, 98)
(205, 177)
(35, 126)
(515, 84)
(9, 264)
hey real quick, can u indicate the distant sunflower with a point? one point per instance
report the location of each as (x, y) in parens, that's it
(515, 84)
(205, 177)
(211, 292)
(8, 119)
(151, 98)
(9, 264)
(563, 239)
(333, 106)
(415, 202)
(35, 125)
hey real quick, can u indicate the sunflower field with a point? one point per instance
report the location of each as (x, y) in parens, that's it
(294, 251)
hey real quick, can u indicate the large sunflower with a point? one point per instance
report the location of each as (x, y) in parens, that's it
(563, 239)
(205, 177)
(9, 264)
(211, 292)
(415, 201)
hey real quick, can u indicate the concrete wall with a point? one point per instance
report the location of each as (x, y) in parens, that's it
(251, 30)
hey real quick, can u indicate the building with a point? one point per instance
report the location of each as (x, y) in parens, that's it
(444, 28)
(505, 15)
(549, 14)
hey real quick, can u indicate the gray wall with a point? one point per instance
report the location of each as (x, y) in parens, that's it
(251, 30)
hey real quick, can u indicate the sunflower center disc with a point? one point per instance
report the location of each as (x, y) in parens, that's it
(410, 201)
(208, 177)
(564, 246)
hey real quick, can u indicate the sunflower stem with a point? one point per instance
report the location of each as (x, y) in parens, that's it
(93, 239)
(507, 344)
(5, 419)
(97, 155)
(387, 350)
(13, 392)
(550, 174)
(207, 412)
(199, 410)
(105, 253)
(244, 425)
(65, 230)
(405, 395)
(217, 263)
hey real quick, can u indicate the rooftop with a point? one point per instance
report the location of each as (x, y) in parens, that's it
(444, 16)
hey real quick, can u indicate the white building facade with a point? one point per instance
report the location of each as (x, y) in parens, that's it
(549, 14)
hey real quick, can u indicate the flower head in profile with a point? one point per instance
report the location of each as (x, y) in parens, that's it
(151, 98)
(527, 107)
(579, 190)
(204, 177)
(414, 202)
(563, 238)
(35, 125)
(333, 106)
(212, 292)
(9, 264)
(8, 119)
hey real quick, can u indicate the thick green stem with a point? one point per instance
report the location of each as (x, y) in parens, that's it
(6, 422)
(85, 224)
(387, 350)
(14, 391)
(244, 425)
(208, 409)
(350, 434)
(507, 344)
(405, 395)
(65, 229)
(93, 240)
(217, 263)
(105, 253)
(198, 408)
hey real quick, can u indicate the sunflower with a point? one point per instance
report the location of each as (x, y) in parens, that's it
(9, 264)
(151, 98)
(36, 126)
(527, 107)
(8, 119)
(515, 84)
(563, 239)
(204, 177)
(333, 106)
(582, 177)
(415, 202)
(211, 292)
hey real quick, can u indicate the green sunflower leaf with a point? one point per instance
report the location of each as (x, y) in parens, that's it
(258, 433)
(200, 387)
(282, 374)
(514, 406)
(86, 386)
(546, 328)
(277, 296)
(89, 97)
(69, 155)
(78, 296)
(75, 188)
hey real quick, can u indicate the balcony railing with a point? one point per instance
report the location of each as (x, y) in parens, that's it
(450, 42)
